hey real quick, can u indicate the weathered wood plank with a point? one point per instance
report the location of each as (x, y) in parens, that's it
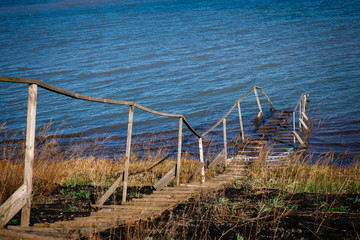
(201, 150)
(29, 153)
(165, 179)
(30, 236)
(225, 142)
(178, 165)
(111, 190)
(299, 138)
(13, 205)
(128, 149)
(241, 122)
(303, 124)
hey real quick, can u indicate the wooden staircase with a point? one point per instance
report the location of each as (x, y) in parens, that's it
(111, 216)
(273, 141)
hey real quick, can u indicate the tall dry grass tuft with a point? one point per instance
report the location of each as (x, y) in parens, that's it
(302, 175)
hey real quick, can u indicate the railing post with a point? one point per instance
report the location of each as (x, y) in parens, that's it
(29, 153)
(128, 148)
(260, 115)
(202, 160)
(300, 107)
(294, 126)
(241, 122)
(304, 102)
(179, 153)
(225, 142)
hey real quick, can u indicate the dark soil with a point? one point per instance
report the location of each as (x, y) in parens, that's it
(231, 213)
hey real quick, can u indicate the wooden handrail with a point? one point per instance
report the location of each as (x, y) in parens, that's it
(118, 102)
(301, 105)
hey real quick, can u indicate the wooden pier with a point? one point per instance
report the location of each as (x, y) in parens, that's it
(273, 143)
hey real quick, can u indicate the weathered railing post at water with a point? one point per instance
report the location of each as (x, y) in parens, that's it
(301, 105)
(178, 165)
(201, 150)
(225, 142)
(260, 115)
(294, 128)
(128, 149)
(29, 153)
(241, 122)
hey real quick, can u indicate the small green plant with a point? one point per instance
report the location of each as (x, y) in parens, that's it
(233, 206)
(64, 192)
(357, 199)
(324, 205)
(221, 200)
(135, 195)
(340, 209)
(294, 207)
(276, 202)
(82, 194)
(79, 194)
(239, 237)
(204, 208)
(15, 221)
(262, 207)
(73, 181)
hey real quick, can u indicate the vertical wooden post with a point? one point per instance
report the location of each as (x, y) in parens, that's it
(294, 126)
(202, 160)
(128, 148)
(225, 142)
(260, 115)
(241, 123)
(300, 107)
(179, 152)
(29, 153)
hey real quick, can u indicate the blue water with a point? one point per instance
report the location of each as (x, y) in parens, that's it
(189, 57)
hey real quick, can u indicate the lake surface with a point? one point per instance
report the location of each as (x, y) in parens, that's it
(186, 57)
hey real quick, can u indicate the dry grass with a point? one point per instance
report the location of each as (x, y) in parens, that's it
(303, 176)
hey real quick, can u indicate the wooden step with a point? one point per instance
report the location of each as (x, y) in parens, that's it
(41, 230)
(131, 207)
(14, 234)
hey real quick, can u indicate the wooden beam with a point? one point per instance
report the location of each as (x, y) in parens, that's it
(178, 165)
(299, 138)
(111, 190)
(271, 104)
(305, 116)
(128, 149)
(165, 179)
(201, 150)
(29, 153)
(13, 205)
(303, 123)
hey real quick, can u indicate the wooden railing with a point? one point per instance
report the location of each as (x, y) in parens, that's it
(301, 107)
(21, 199)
